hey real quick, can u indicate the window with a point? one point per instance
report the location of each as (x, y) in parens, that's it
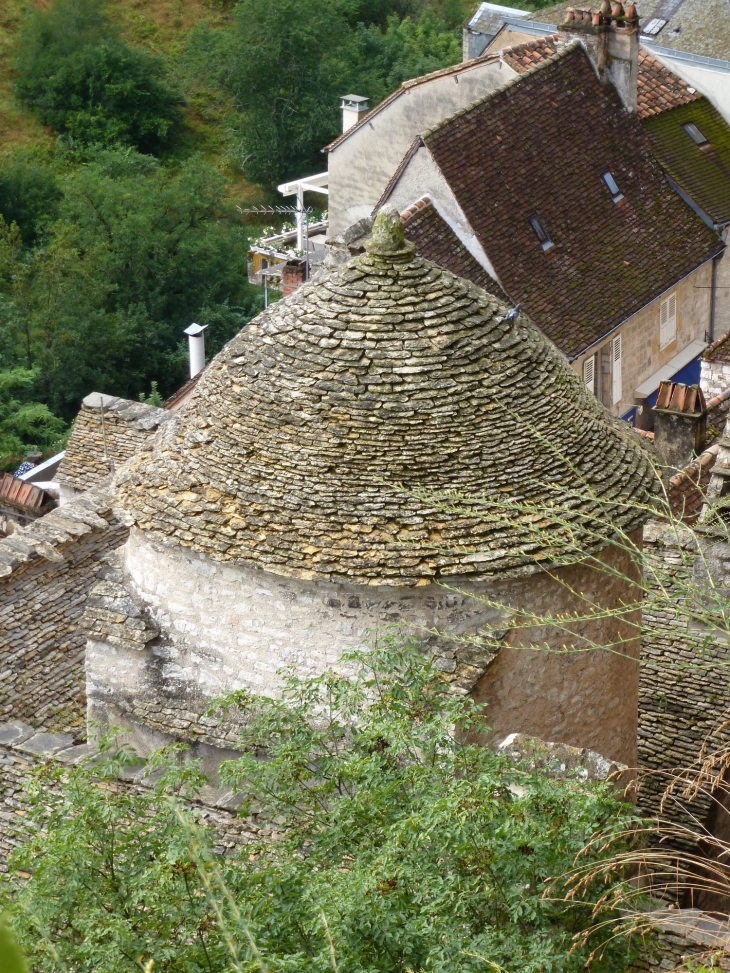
(695, 134)
(589, 373)
(613, 187)
(616, 369)
(668, 321)
(540, 232)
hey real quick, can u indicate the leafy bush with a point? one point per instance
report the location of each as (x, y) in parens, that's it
(83, 80)
(29, 194)
(404, 847)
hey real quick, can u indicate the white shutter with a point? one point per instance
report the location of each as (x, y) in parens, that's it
(589, 373)
(668, 321)
(616, 369)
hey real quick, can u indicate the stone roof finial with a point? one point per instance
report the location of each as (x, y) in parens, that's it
(388, 236)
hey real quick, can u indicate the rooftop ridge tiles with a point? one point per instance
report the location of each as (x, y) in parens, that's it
(510, 83)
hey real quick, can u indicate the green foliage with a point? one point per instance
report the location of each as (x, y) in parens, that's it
(29, 193)
(405, 847)
(81, 79)
(24, 423)
(154, 398)
(406, 49)
(287, 64)
(138, 251)
(11, 958)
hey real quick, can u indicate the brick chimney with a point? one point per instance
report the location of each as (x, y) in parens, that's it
(680, 423)
(610, 37)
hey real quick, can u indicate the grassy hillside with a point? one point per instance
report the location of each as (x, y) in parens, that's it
(161, 27)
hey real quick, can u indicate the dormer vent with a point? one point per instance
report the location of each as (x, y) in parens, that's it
(540, 232)
(616, 193)
(695, 134)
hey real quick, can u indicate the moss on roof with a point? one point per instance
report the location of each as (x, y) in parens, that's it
(703, 172)
(308, 440)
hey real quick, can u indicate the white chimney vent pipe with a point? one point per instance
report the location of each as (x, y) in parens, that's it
(354, 107)
(196, 341)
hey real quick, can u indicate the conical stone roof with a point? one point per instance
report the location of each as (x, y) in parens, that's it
(372, 428)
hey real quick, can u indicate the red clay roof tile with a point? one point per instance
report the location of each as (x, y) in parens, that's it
(540, 145)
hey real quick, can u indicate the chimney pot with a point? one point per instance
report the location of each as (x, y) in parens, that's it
(617, 10)
(569, 15)
(597, 18)
(354, 107)
(196, 346)
(606, 8)
(631, 11)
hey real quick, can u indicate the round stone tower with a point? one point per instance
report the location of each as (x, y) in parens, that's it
(390, 445)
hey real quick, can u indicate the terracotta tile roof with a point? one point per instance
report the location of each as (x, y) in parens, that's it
(719, 350)
(435, 240)
(521, 57)
(539, 145)
(659, 89)
(703, 172)
(176, 399)
(23, 496)
(687, 489)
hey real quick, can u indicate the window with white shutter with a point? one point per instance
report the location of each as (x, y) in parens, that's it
(589, 373)
(668, 321)
(616, 369)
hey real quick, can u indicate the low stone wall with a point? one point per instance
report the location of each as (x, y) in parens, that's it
(46, 571)
(23, 749)
(684, 689)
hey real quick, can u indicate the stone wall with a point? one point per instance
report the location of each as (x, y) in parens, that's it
(46, 571)
(684, 690)
(106, 432)
(170, 629)
(361, 165)
(22, 750)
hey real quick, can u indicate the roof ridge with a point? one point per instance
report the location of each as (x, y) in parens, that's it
(416, 208)
(406, 86)
(43, 537)
(528, 73)
(533, 42)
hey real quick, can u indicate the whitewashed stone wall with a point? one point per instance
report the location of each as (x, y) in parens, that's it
(171, 629)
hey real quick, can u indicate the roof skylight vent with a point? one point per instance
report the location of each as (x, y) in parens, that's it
(540, 232)
(695, 134)
(616, 193)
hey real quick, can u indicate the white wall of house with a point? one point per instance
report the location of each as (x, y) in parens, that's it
(423, 177)
(361, 166)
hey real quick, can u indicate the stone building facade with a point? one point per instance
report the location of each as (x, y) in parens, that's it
(106, 432)
(362, 455)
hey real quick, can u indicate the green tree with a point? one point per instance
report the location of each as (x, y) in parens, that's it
(137, 253)
(29, 193)
(401, 846)
(24, 423)
(81, 79)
